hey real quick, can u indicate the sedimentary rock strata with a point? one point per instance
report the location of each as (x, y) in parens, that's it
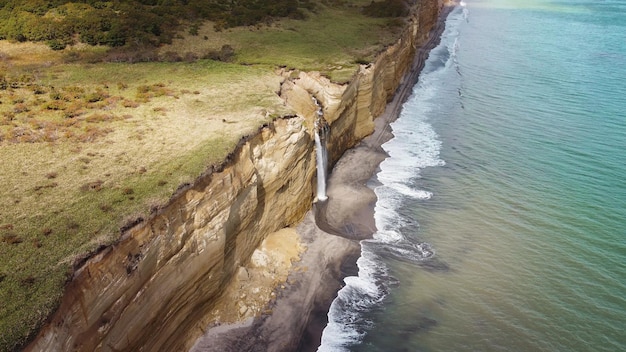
(151, 289)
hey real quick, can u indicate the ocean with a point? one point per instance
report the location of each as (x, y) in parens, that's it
(501, 208)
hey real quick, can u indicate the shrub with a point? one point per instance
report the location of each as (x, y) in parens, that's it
(37, 89)
(225, 54)
(129, 103)
(387, 8)
(74, 109)
(8, 117)
(11, 239)
(73, 92)
(55, 95)
(55, 105)
(4, 84)
(92, 186)
(18, 100)
(193, 29)
(172, 56)
(55, 44)
(20, 108)
(96, 96)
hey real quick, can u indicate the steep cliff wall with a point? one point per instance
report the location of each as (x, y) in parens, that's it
(150, 290)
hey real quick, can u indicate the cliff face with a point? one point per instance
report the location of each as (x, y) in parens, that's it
(151, 289)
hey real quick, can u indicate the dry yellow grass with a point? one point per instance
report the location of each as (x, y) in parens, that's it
(66, 197)
(151, 141)
(28, 53)
(124, 137)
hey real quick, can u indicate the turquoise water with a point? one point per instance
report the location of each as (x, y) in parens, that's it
(502, 206)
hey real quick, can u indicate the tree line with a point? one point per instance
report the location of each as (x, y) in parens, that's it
(119, 23)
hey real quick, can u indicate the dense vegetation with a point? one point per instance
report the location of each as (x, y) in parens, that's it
(128, 22)
(388, 8)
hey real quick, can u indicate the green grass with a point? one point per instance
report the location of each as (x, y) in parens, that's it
(322, 44)
(333, 41)
(65, 198)
(126, 136)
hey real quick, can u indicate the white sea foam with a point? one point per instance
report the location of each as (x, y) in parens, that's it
(360, 293)
(408, 191)
(415, 146)
(388, 236)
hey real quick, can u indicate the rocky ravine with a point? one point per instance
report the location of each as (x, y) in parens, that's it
(151, 289)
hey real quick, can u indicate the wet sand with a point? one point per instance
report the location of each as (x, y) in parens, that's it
(331, 232)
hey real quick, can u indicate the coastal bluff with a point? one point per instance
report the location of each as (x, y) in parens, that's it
(153, 289)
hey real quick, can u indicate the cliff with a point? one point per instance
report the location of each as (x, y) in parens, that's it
(152, 289)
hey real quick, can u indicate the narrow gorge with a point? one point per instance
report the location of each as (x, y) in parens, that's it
(158, 287)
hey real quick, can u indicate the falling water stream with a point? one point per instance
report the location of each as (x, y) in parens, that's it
(321, 133)
(507, 165)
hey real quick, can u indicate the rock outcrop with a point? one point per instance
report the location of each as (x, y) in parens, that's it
(149, 290)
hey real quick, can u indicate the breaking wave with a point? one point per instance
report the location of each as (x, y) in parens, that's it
(415, 146)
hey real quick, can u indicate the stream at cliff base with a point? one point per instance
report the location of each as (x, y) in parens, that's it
(501, 209)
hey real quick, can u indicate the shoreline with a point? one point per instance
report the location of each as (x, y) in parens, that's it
(331, 232)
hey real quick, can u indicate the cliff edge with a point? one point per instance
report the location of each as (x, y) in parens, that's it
(154, 288)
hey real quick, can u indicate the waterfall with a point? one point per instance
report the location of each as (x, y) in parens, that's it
(321, 133)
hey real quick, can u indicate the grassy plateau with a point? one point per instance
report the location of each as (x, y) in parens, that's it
(88, 146)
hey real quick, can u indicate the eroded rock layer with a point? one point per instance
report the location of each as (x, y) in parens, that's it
(151, 289)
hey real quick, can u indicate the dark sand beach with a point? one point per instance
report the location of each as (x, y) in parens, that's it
(331, 232)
